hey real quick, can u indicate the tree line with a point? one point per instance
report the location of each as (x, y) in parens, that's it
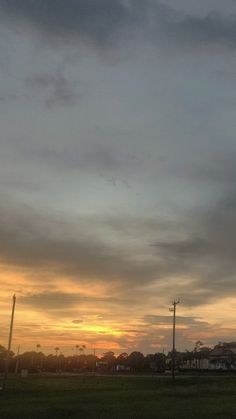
(36, 361)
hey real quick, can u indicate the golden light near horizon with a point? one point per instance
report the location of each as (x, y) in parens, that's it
(88, 321)
(49, 327)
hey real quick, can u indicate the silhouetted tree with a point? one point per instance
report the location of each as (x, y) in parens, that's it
(110, 359)
(157, 362)
(136, 361)
(122, 358)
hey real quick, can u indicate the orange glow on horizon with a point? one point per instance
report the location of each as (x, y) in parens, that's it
(98, 322)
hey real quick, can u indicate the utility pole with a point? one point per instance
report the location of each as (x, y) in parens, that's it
(173, 309)
(9, 344)
(94, 353)
(17, 360)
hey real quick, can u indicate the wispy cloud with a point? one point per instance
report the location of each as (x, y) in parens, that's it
(56, 89)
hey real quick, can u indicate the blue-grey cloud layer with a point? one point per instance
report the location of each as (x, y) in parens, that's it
(105, 22)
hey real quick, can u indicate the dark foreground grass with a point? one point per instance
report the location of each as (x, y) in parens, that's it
(119, 397)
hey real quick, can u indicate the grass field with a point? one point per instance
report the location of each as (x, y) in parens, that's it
(119, 397)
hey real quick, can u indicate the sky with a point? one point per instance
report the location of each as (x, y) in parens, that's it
(117, 173)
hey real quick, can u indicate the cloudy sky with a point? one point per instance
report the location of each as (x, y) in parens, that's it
(117, 172)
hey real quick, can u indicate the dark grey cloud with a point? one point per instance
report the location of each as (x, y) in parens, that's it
(58, 301)
(207, 253)
(104, 23)
(192, 247)
(6, 97)
(216, 169)
(90, 21)
(203, 251)
(51, 300)
(216, 236)
(106, 161)
(168, 320)
(57, 247)
(61, 300)
(56, 89)
(212, 29)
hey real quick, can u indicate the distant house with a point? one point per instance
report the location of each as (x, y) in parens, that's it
(195, 360)
(202, 358)
(223, 357)
(102, 366)
(122, 368)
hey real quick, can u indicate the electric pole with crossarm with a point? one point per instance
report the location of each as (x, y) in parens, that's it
(9, 344)
(173, 309)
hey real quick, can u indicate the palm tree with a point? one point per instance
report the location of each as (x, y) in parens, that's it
(56, 349)
(80, 348)
(38, 346)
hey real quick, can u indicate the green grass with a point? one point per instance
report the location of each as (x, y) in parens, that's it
(119, 397)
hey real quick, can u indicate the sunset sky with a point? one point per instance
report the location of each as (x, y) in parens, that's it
(117, 172)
